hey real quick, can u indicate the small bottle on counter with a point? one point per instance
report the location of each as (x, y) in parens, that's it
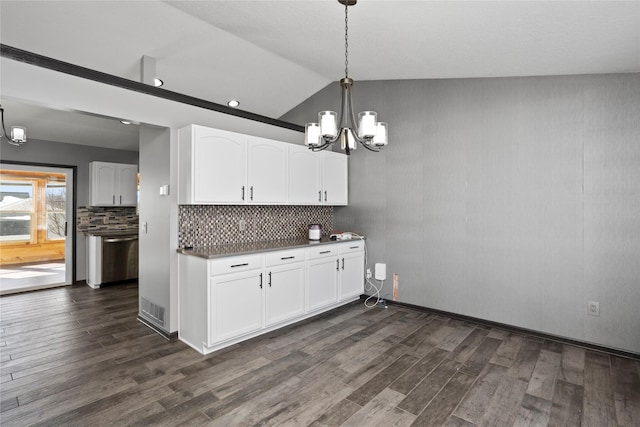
(315, 232)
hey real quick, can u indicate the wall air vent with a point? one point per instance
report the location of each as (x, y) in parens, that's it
(153, 312)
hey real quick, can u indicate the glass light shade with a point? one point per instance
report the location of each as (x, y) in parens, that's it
(328, 123)
(381, 137)
(348, 139)
(367, 124)
(312, 134)
(18, 134)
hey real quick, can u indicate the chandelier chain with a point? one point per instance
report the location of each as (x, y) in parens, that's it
(346, 39)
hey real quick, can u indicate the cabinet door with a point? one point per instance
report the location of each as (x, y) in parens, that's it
(127, 184)
(351, 276)
(334, 178)
(305, 186)
(235, 305)
(219, 166)
(284, 292)
(103, 188)
(267, 170)
(322, 282)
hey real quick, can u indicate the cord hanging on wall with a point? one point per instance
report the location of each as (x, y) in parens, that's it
(18, 134)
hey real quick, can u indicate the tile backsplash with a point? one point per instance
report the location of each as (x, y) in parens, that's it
(92, 219)
(206, 225)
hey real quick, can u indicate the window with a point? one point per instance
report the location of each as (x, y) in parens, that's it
(56, 199)
(17, 213)
(32, 207)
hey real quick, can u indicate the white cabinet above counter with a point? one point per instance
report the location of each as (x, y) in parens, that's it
(227, 168)
(113, 184)
(232, 293)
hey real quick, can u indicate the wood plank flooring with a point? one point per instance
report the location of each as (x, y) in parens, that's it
(76, 356)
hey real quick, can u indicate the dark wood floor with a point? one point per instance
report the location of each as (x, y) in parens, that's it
(76, 356)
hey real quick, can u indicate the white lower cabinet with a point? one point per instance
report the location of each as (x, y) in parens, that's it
(323, 267)
(235, 304)
(227, 300)
(351, 269)
(285, 293)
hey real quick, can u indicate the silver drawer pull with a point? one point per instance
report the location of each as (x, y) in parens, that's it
(287, 257)
(119, 239)
(240, 265)
(325, 252)
(354, 247)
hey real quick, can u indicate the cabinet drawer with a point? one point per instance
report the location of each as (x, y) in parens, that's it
(353, 246)
(322, 251)
(284, 257)
(235, 264)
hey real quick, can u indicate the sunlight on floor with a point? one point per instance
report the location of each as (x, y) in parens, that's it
(23, 277)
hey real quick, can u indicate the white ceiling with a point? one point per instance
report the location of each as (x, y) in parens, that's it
(272, 55)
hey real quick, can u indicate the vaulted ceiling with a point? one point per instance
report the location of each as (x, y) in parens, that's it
(272, 55)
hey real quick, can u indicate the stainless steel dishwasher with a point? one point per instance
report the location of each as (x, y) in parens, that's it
(119, 258)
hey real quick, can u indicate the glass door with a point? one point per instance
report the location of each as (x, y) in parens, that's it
(36, 210)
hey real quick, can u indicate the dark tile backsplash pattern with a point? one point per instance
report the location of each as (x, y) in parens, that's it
(205, 225)
(118, 219)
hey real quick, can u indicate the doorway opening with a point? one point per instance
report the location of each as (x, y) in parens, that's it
(36, 224)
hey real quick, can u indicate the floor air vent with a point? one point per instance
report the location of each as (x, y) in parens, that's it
(153, 311)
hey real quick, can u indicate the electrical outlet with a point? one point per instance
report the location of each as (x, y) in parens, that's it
(242, 225)
(84, 220)
(105, 220)
(593, 308)
(368, 273)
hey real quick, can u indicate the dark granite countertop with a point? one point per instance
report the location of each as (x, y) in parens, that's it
(219, 251)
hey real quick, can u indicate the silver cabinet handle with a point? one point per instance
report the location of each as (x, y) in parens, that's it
(337, 265)
(269, 279)
(320, 195)
(251, 192)
(120, 199)
(343, 263)
(325, 252)
(119, 239)
(325, 195)
(113, 202)
(287, 257)
(243, 192)
(260, 280)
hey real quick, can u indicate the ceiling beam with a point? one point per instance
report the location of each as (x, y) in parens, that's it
(98, 76)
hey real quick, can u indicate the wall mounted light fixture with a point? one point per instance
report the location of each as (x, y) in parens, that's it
(18, 134)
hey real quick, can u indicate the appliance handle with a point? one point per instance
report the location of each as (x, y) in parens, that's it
(119, 239)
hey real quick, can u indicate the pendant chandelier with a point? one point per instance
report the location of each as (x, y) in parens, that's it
(344, 127)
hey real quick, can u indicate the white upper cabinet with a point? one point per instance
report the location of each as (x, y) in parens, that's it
(113, 184)
(334, 178)
(317, 178)
(305, 183)
(228, 168)
(267, 171)
(212, 166)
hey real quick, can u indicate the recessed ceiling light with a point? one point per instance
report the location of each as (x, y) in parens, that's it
(157, 82)
(125, 122)
(233, 103)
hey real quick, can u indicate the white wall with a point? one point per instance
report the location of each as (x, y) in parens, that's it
(21, 81)
(515, 200)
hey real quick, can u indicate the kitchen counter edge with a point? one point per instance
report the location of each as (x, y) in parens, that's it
(221, 251)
